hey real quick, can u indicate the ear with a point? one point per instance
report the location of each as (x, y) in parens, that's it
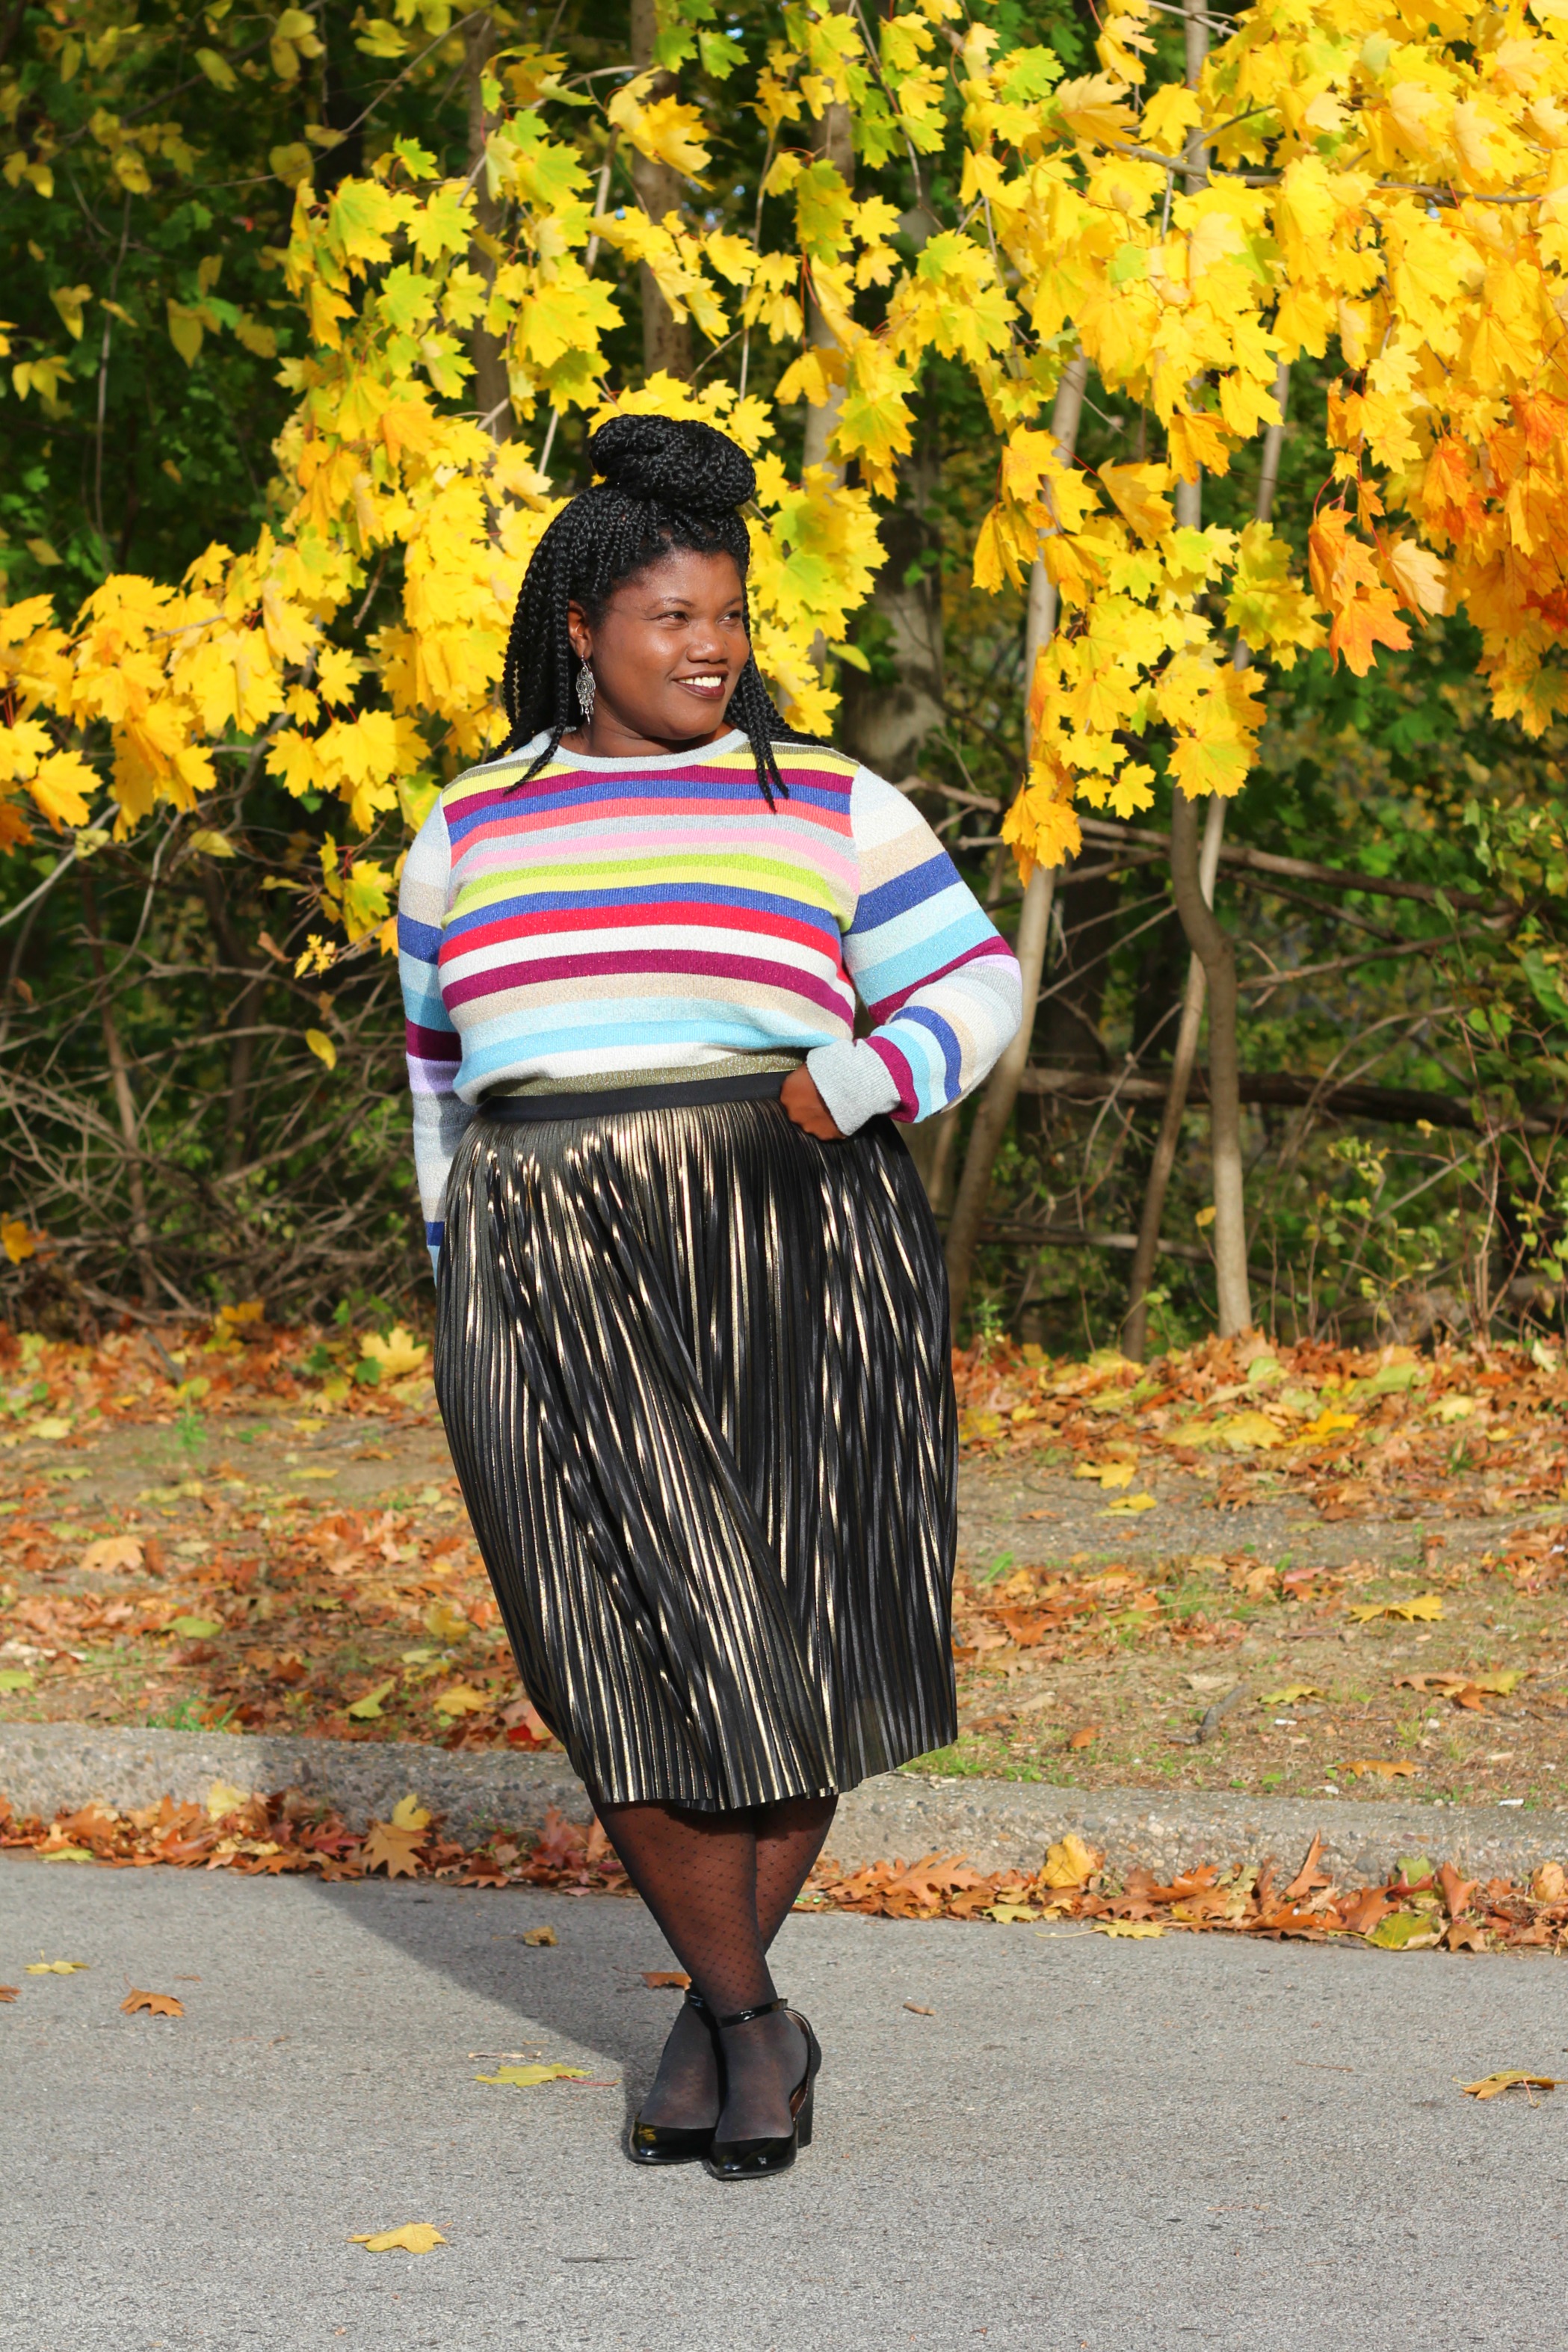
(581, 635)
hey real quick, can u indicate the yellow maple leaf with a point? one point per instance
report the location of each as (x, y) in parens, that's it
(397, 1354)
(414, 2238)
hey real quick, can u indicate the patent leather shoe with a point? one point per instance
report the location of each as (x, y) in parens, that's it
(755, 2159)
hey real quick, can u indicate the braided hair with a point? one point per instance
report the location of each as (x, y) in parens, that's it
(666, 482)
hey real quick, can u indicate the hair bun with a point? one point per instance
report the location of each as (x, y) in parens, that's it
(673, 461)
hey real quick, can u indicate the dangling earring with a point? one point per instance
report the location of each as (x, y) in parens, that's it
(585, 692)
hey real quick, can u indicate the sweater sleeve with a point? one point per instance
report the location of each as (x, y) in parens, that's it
(939, 981)
(432, 1043)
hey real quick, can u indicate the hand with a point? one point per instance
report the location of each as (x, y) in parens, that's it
(806, 1108)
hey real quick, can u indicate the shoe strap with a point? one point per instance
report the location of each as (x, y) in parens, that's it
(694, 2001)
(763, 2009)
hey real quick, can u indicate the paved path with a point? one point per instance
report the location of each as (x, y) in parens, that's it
(1127, 2147)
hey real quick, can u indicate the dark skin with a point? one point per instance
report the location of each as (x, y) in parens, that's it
(667, 652)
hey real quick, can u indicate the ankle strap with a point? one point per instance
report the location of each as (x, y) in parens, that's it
(694, 2001)
(763, 2009)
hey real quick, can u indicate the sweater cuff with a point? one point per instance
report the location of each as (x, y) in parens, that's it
(855, 1084)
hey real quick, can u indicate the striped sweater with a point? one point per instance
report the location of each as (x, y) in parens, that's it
(628, 916)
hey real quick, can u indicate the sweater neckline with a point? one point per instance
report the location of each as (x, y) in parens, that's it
(657, 762)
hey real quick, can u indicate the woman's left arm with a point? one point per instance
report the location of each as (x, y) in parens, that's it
(935, 974)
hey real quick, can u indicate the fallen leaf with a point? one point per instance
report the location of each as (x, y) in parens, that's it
(1207, 1681)
(1070, 1862)
(461, 1699)
(1291, 1696)
(915, 2007)
(1009, 1914)
(111, 1552)
(408, 1813)
(368, 1706)
(1550, 1884)
(1490, 2085)
(1240, 1432)
(1111, 1474)
(414, 2238)
(66, 1854)
(1406, 1931)
(196, 1629)
(396, 1355)
(223, 1797)
(666, 1979)
(540, 1937)
(1327, 1424)
(524, 2077)
(156, 2004)
(1085, 1736)
(445, 1622)
(16, 1678)
(391, 1849)
(1140, 1929)
(42, 1967)
(10, 1993)
(1381, 1771)
(1128, 1505)
(1425, 1609)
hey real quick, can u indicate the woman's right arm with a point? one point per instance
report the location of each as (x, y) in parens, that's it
(432, 1043)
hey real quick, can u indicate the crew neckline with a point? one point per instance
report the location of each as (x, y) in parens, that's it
(639, 762)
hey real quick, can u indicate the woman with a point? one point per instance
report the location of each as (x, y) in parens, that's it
(691, 1332)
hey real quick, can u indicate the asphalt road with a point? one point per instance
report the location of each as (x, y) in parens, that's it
(1090, 2145)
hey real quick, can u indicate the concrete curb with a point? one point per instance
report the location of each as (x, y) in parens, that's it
(997, 1824)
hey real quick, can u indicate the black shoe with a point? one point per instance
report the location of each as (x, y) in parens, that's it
(673, 2142)
(752, 2159)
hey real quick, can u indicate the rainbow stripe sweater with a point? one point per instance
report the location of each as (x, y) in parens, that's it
(644, 915)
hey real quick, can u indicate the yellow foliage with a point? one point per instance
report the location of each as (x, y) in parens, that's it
(1325, 125)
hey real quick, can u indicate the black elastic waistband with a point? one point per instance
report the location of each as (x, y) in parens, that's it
(761, 1085)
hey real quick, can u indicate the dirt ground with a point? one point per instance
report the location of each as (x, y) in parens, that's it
(1139, 1602)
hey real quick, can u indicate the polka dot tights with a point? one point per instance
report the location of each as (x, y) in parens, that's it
(720, 1886)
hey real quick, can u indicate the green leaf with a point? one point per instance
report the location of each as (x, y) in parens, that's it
(1405, 1931)
(196, 1629)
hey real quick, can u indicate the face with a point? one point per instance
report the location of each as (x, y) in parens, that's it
(667, 649)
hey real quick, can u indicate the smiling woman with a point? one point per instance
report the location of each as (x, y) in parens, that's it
(691, 1332)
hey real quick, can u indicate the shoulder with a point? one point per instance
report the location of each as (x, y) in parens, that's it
(815, 770)
(478, 786)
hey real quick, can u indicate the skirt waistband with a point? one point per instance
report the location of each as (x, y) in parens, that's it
(757, 1086)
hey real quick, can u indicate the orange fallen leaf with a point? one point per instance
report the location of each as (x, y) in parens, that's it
(156, 2004)
(1506, 2080)
(1381, 1771)
(1085, 1736)
(914, 2006)
(666, 1979)
(10, 1993)
(392, 1849)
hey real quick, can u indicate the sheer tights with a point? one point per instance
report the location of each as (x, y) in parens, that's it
(720, 1886)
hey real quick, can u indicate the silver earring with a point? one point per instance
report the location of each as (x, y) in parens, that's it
(585, 692)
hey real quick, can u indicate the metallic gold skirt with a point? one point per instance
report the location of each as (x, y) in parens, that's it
(694, 1369)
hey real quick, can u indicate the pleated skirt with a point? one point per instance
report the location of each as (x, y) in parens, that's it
(694, 1369)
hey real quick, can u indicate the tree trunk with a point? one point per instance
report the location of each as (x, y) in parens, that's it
(1135, 1330)
(246, 1014)
(1034, 921)
(665, 339)
(124, 1100)
(1212, 944)
(493, 390)
(832, 138)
